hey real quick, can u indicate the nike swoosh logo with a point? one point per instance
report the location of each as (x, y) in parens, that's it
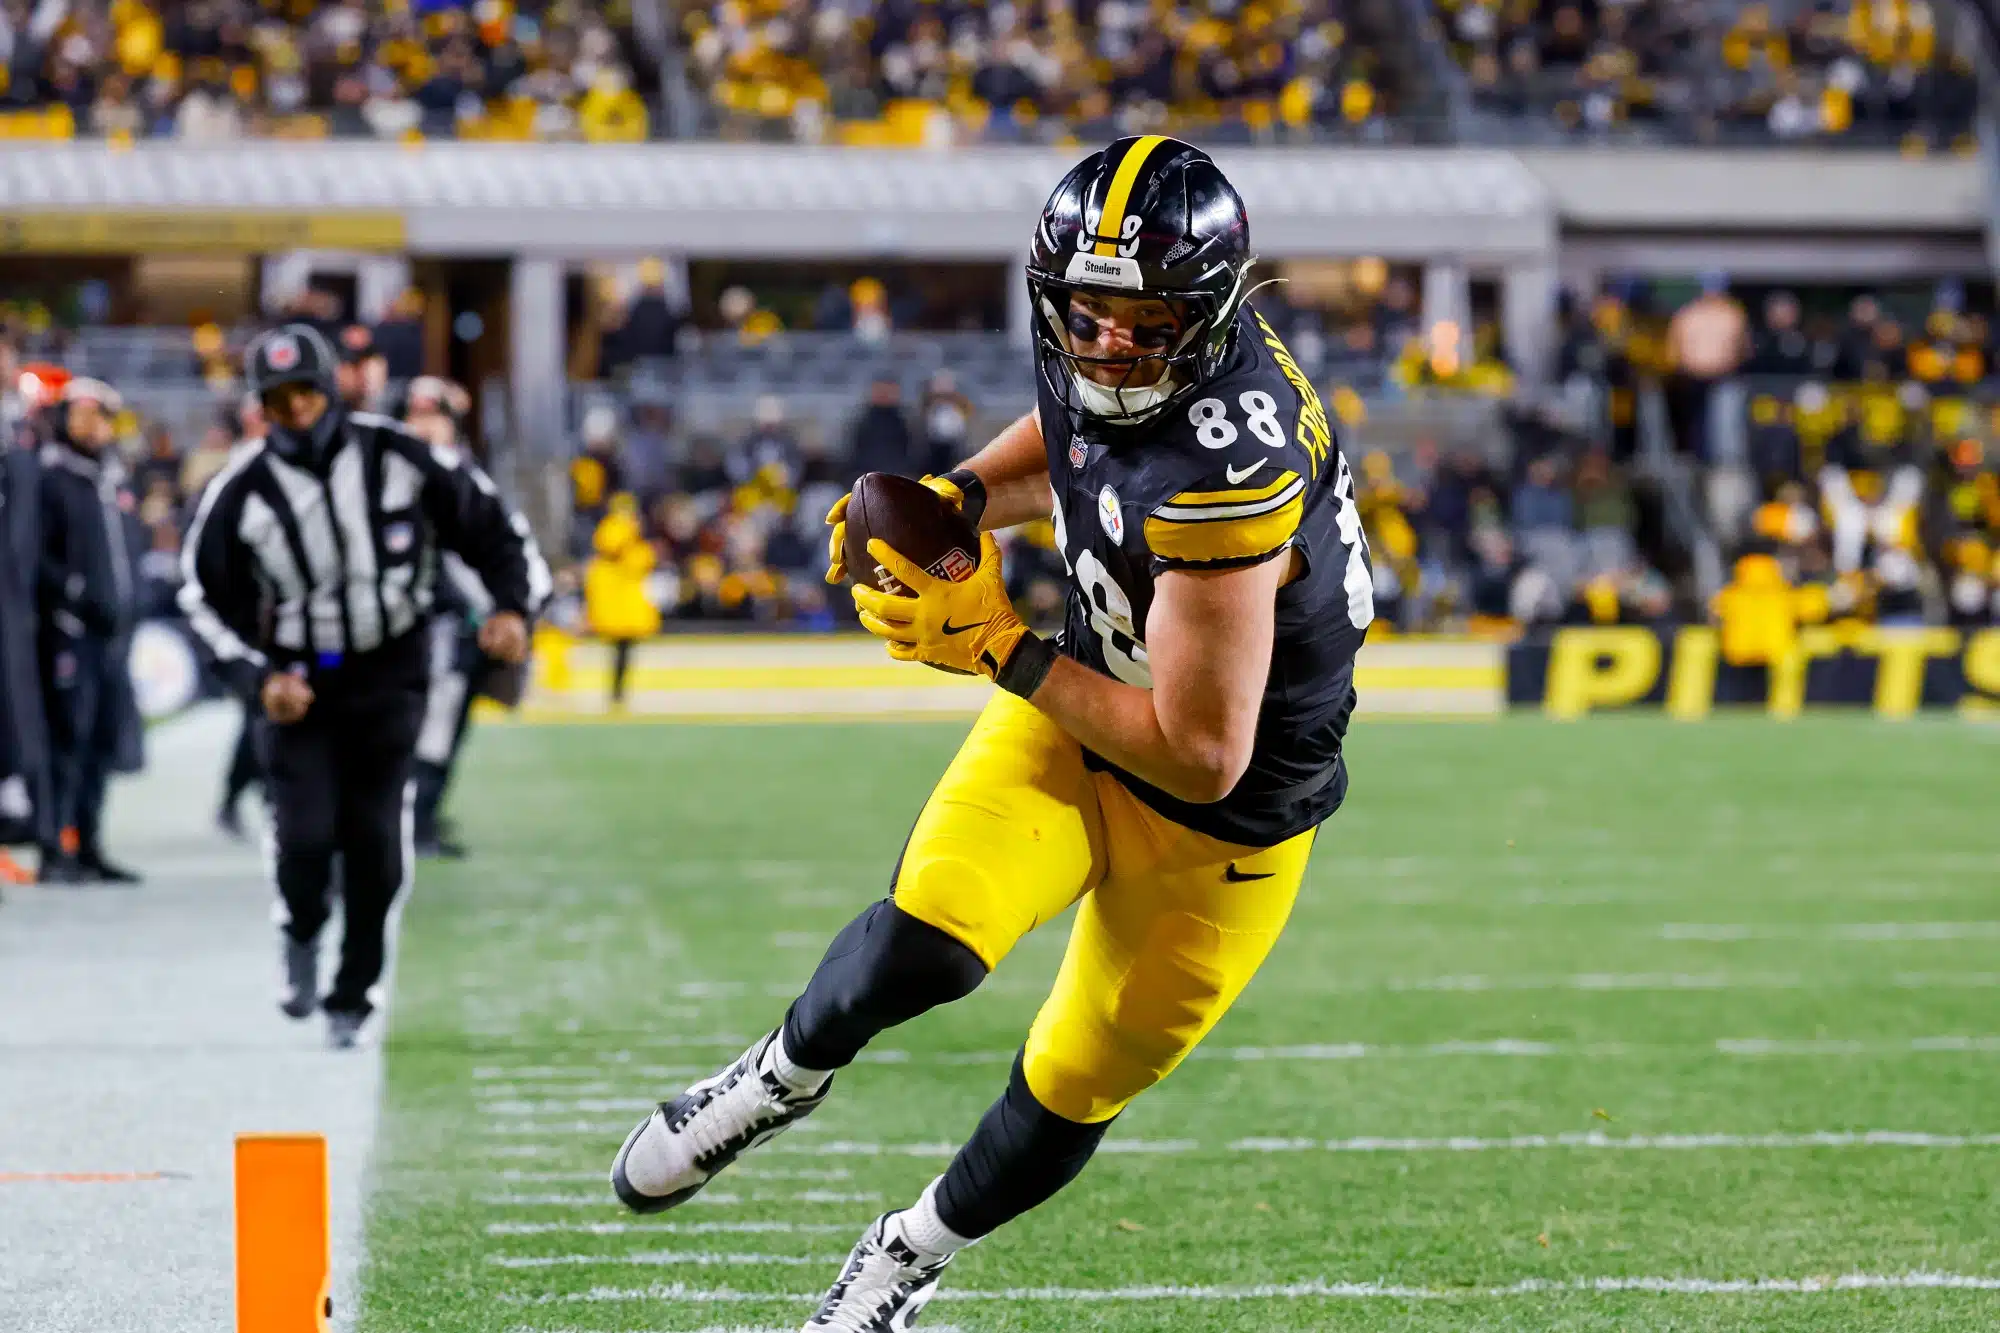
(1235, 477)
(950, 628)
(1232, 874)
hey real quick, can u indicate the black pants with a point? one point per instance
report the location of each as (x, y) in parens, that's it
(81, 740)
(339, 781)
(621, 662)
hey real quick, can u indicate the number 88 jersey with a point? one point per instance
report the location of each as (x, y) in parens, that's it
(1245, 471)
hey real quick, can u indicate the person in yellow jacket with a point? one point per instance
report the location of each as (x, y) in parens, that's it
(614, 588)
(1758, 612)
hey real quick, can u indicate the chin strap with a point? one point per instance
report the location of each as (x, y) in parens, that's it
(1130, 404)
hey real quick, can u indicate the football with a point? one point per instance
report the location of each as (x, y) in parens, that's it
(917, 524)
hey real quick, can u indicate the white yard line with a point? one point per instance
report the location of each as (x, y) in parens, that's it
(714, 1328)
(604, 1199)
(1581, 981)
(1312, 1053)
(1858, 931)
(664, 1228)
(664, 1259)
(1320, 1289)
(736, 1173)
(1873, 1138)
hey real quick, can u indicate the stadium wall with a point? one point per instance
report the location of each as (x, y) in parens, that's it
(1568, 674)
(1895, 672)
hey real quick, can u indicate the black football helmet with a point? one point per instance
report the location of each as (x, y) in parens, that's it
(1148, 216)
(296, 354)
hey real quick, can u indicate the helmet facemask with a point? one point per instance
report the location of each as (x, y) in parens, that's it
(1186, 359)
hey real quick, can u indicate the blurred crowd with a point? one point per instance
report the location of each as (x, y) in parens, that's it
(1822, 71)
(968, 70)
(709, 528)
(211, 70)
(917, 72)
(1843, 458)
(1840, 444)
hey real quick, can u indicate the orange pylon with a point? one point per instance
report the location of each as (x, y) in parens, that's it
(284, 1239)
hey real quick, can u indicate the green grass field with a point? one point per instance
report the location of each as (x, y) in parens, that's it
(1625, 928)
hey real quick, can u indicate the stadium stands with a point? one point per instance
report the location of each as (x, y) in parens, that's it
(1868, 72)
(215, 70)
(1860, 72)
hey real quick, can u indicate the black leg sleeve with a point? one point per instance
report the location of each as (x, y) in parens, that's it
(884, 968)
(1021, 1154)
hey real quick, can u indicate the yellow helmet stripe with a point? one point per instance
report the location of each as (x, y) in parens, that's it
(1112, 223)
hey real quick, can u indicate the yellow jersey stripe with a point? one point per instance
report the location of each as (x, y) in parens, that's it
(1235, 539)
(1277, 483)
(1112, 223)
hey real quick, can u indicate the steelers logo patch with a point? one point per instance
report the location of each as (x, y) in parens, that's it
(282, 353)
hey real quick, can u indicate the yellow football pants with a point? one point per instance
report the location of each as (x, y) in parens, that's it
(1167, 935)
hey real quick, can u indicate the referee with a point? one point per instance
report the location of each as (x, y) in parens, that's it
(310, 569)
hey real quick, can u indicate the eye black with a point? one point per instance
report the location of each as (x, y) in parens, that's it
(1082, 326)
(1152, 336)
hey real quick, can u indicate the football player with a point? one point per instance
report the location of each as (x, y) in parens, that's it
(1163, 764)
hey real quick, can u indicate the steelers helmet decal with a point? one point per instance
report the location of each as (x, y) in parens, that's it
(1148, 216)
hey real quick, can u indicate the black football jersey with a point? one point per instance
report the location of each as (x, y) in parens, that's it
(1246, 469)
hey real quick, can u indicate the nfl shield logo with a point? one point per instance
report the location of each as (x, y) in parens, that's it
(283, 353)
(955, 565)
(397, 537)
(1077, 453)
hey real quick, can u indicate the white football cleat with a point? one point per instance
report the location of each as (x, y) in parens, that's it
(884, 1287)
(689, 1140)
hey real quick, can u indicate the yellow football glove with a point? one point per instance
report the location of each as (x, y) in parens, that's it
(836, 517)
(969, 627)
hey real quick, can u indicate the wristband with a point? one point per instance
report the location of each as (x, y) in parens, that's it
(973, 489)
(1027, 666)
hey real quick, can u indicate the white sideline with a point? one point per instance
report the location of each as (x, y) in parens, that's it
(1321, 1289)
(138, 1033)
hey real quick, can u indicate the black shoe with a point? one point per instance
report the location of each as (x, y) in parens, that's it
(97, 870)
(300, 982)
(343, 1029)
(59, 869)
(439, 847)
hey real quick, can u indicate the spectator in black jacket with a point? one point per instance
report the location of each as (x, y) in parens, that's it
(25, 809)
(87, 609)
(400, 337)
(882, 441)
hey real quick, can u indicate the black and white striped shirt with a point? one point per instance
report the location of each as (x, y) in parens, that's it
(288, 564)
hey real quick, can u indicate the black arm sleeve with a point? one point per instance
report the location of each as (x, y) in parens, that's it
(470, 518)
(219, 592)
